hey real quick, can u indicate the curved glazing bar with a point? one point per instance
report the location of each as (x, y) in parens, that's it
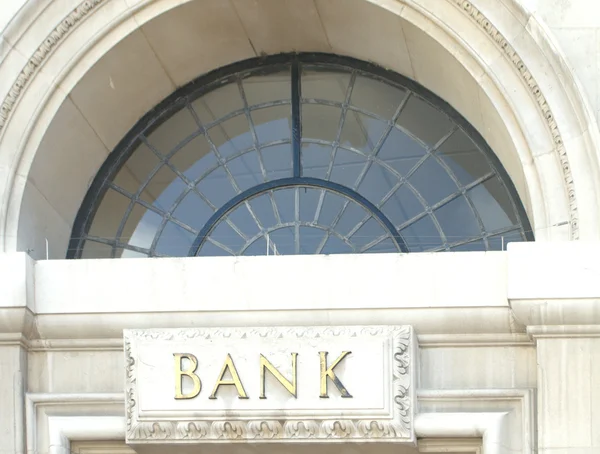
(300, 210)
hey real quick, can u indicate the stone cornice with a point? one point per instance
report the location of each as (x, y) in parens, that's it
(564, 331)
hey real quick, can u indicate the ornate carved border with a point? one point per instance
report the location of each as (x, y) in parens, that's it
(86, 7)
(343, 429)
(37, 59)
(511, 54)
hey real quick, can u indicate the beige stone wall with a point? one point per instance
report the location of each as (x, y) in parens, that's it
(112, 60)
(492, 327)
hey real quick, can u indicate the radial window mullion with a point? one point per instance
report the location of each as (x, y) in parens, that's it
(297, 220)
(252, 129)
(376, 148)
(373, 243)
(256, 147)
(221, 246)
(381, 141)
(338, 135)
(463, 191)
(296, 120)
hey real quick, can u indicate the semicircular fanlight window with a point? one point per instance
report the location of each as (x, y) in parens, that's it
(301, 155)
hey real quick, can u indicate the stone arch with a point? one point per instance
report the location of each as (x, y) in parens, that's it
(110, 61)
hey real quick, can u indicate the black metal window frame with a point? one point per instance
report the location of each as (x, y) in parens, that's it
(263, 66)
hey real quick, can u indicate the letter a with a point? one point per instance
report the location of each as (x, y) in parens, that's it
(328, 372)
(179, 373)
(235, 379)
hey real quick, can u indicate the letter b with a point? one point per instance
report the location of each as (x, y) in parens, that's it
(179, 373)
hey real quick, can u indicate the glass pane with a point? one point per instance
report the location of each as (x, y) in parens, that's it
(478, 245)
(129, 254)
(109, 215)
(283, 240)
(361, 132)
(136, 169)
(193, 211)
(195, 159)
(217, 103)
(286, 204)
(310, 239)
(464, 158)
(244, 221)
(309, 200)
(402, 206)
(95, 250)
(164, 189)
(367, 233)
(269, 87)
(262, 207)
(210, 250)
(141, 227)
(324, 84)
(432, 182)
(228, 237)
(457, 220)
(352, 216)
(259, 247)
(332, 206)
(387, 245)
(347, 166)
(377, 97)
(272, 123)
(232, 136)
(334, 245)
(424, 121)
(277, 160)
(493, 204)
(500, 242)
(377, 183)
(422, 235)
(315, 160)
(246, 170)
(401, 152)
(175, 241)
(217, 187)
(320, 122)
(173, 131)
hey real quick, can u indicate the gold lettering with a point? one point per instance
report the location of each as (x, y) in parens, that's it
(327, 372)
(266, 364)
(179, 374)
(235, 379)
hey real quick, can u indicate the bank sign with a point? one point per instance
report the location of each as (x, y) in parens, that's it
(352, 383)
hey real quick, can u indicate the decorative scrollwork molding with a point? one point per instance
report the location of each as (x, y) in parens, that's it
(42, 52)
(511, 54)
(397, 426)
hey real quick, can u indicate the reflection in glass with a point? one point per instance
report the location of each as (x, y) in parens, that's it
(336, 161)
(325, 83)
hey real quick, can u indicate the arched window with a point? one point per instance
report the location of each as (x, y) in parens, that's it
(299, 154)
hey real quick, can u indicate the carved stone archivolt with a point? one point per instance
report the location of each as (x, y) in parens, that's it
(36, 61)
(86, 8)
(397, 426)
(530, 82)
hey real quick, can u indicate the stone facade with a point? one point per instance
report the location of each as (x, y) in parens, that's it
(504, 341)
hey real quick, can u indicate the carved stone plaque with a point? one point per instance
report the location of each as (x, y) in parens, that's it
(299, 384)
